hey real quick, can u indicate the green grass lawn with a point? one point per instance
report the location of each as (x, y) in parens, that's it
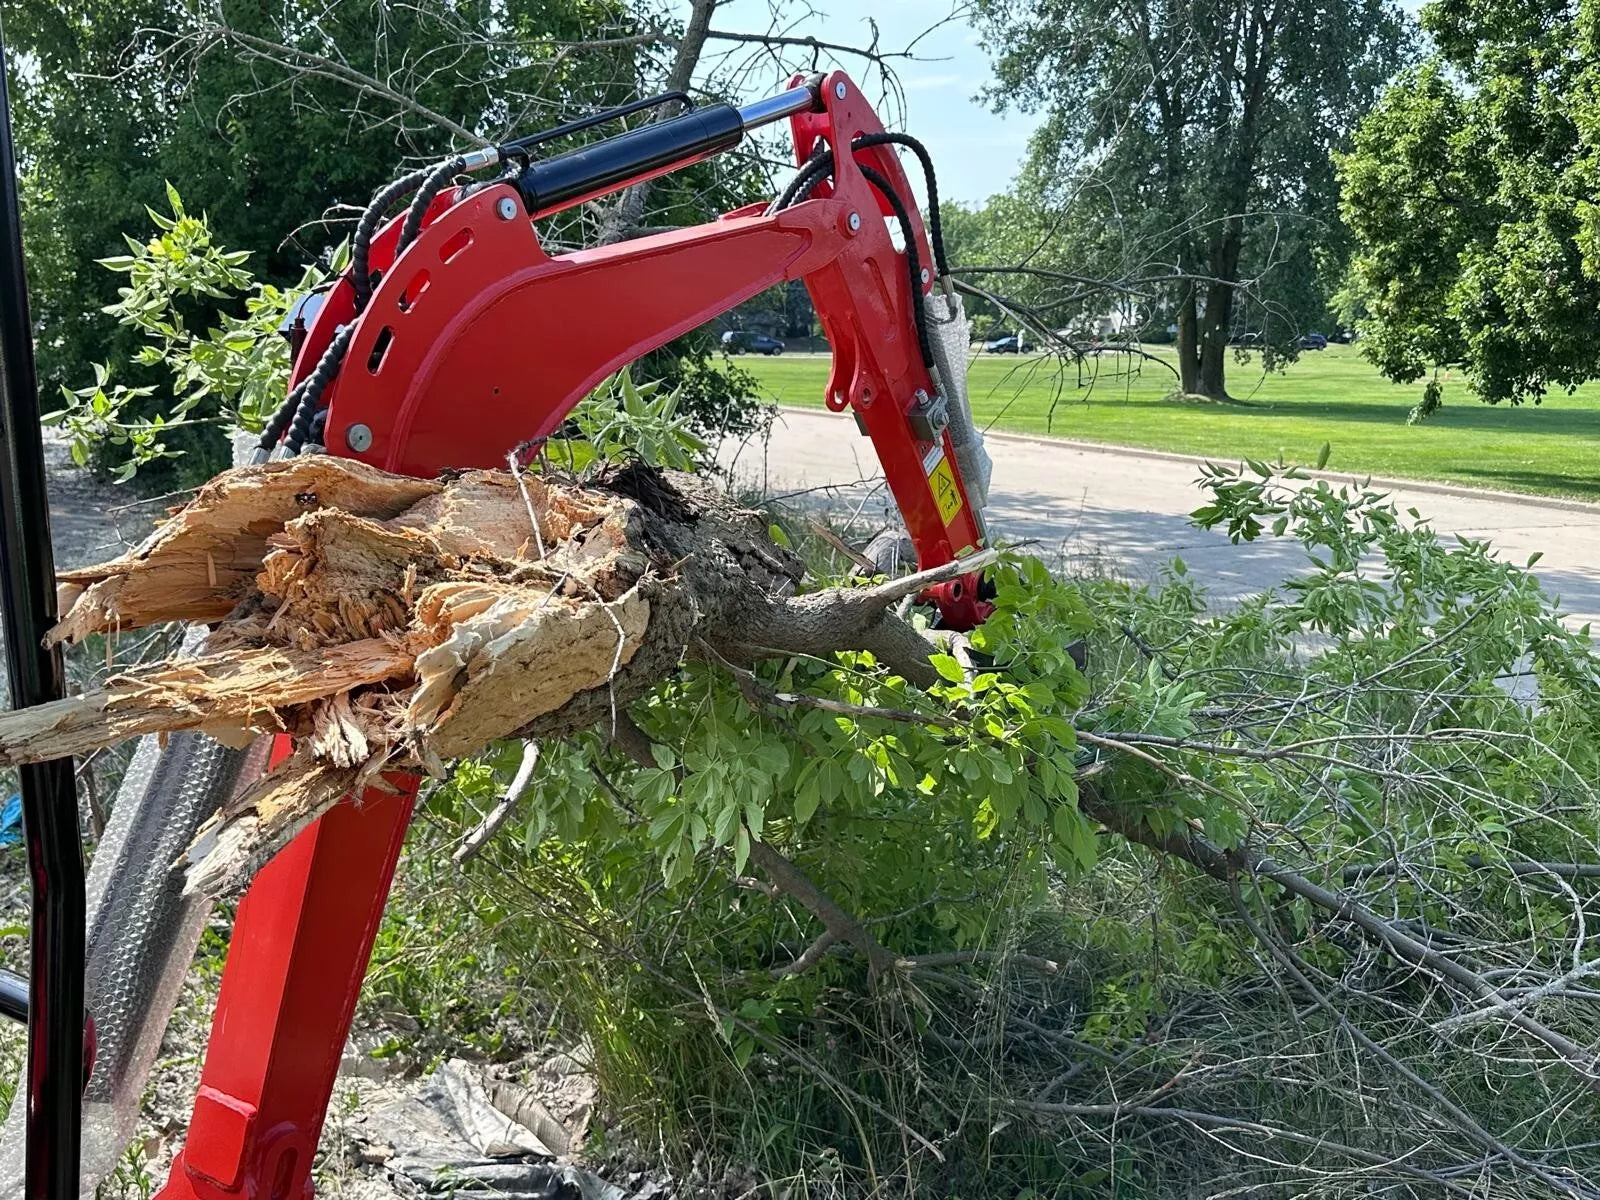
(1331, 396)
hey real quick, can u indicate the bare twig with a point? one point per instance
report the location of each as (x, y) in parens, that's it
(494, 820)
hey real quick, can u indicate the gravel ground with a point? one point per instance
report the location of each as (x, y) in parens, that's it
(93, 519)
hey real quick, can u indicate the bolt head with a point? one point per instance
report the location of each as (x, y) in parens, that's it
(838, 89)
(855, 222)
(925, 275)
(358, 438)
(505, 208)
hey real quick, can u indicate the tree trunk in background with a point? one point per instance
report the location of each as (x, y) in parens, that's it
(627, 214)
(1188, 342)
(1219, 310)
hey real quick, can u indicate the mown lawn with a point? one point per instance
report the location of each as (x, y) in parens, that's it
(1331, 396)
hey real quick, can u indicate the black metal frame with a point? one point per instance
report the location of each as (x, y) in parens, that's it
(56, 1042)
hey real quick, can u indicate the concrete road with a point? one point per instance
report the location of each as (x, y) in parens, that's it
(1128, 510)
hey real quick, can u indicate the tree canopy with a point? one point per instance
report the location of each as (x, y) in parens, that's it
(1186, 150)
(1470, 190)
(279, 128)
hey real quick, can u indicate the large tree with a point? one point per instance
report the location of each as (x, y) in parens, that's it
(1187, 145)
(1470, 189)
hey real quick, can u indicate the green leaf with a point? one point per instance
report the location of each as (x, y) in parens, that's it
(1075, 834)
(948, 668)
(806, 799)
(727, 823)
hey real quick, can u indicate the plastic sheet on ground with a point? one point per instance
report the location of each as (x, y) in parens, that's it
(447, 1138)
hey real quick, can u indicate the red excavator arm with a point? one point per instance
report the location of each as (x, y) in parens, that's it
(476, 340)
(474, 343)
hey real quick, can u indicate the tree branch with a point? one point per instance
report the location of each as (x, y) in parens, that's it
(840, 925)
(625, 215)
(311, 63)
(1225, 865)
(1460, 1116)
(496, 817)
(820, 623)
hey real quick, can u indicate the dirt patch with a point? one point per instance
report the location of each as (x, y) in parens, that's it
(91, 518)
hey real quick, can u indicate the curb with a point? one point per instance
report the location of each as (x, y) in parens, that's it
(1387, 483)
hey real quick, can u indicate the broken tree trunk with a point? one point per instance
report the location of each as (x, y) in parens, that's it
(390, 622)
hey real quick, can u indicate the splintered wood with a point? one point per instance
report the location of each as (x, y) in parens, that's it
(393, 623)
(384, 621)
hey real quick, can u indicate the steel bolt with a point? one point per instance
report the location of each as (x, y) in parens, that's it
(924, 274)
(838, 89)
(358, 438)
(855, 222)
(505, 208)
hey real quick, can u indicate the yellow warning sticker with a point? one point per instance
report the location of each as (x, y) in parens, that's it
(945, 493)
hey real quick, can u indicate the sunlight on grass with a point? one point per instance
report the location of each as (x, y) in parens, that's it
(1331, 396)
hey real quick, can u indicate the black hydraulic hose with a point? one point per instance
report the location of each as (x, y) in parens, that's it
(273, 430)
(49, 796)
(314, 385)
(913, 259)
(935, 227)
(361, 244)
(818, 167)
(361, 280)
(299, 407)
(438, 179)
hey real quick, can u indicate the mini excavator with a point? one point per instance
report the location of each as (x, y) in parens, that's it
(454, 340)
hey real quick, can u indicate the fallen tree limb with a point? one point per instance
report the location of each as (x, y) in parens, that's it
(1355, 872)
(494, 820)
(390, 622)
(1227, 866)
(1463, 1119)
(220, 694)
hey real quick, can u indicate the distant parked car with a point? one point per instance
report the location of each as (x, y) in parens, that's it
(1313, 341)
(1010, 344)
(737, 341)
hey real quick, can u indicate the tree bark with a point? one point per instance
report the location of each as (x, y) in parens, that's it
(1188, 342)
(1219, 310)
(626, 215)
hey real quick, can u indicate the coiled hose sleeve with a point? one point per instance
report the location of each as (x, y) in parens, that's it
(361, 244)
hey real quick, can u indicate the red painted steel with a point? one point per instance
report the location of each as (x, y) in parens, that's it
(301, 940)
(478, 341)
(475, 342)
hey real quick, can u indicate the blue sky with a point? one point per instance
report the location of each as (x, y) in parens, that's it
(975, 151)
